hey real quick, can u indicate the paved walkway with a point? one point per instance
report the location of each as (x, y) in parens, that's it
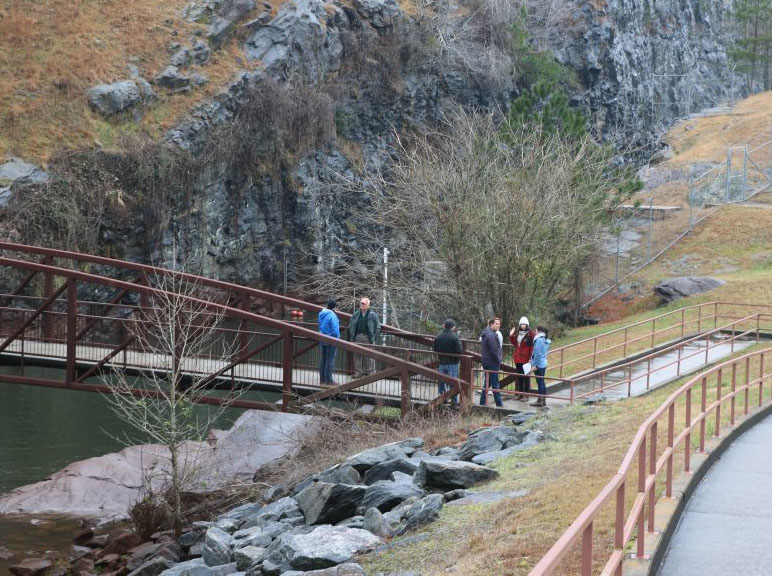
(726, 528)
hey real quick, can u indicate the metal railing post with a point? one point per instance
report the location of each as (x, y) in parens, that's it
(699, 318)
(652, 472)
(717, 432)
(653, 331)
(683, 321)
(670, 440)
(560, 375)
(688, 437)
(587, 551)
(624, 346)
(703, 404)
(72, 328)
(404, 403)
(747, 388)
(619, 526)
(48, 289)
(734, 391)
(761, 380)
(641, 490)
(286, 365)
(594, 352)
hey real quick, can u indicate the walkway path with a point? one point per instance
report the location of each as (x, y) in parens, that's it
(727, 525)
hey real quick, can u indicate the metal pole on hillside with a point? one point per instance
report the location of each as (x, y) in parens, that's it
(651, 217)
(745, 171)
(385, 284)
(690, 198)
(728, 174)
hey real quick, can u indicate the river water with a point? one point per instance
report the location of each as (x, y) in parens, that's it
(43, 430)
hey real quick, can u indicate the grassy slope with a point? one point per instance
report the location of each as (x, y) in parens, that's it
(561, 478)
(52, 52)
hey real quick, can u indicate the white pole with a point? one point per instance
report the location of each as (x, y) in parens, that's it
(385, 284)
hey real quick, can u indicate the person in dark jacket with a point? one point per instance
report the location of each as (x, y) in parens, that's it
(490, 350)
(364, 328)
(521, 337)
(448, 342)
(329, 326)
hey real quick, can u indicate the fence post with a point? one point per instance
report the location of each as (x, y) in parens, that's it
(728, 174)
(587, 551)
(653, 472)
(641, 490)
(72, 328)
(688, 437)
(717, 433)
(562, 350)
(653, 331)
(745, 171)
(286, 364)
(670, 440)
(467, 376)
(683, 321)
(734, 390)
(699, 318)
(703, 404)
(404, 403)
(761, 380)
(48, 289)
(747, 380)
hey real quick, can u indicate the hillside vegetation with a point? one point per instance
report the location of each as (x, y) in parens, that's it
(52, 52)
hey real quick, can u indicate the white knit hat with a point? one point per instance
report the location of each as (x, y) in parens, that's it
(524, 320)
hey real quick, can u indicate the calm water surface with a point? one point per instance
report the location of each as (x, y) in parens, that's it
(43, 430)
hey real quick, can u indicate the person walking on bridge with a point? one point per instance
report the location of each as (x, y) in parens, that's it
(521, 337)
(541, 347)
(490, 351)
(329, 326)
(364, 328)
(448, 342)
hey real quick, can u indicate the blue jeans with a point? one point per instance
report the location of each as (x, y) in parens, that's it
(540, 382)
(491, 376)
(448, 370)
(326, 363)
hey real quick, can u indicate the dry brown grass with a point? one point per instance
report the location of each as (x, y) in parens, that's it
(706, 139)
(561, 478)
(52, 52)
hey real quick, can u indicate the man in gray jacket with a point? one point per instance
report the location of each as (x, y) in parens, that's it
(364, 328)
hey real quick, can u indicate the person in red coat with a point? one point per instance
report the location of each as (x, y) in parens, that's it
(521, 337)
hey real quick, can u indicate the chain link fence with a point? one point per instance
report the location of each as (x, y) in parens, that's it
(642, 231)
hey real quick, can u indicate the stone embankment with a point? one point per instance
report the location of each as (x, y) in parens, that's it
(319, 525)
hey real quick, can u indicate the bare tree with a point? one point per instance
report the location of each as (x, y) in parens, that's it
(176, 335)
(482, 217)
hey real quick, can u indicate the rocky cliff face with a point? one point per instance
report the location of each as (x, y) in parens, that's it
(646, 63)
(373, 69)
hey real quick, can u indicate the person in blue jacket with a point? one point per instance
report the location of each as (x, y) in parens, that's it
(330, 326)
(541, 347)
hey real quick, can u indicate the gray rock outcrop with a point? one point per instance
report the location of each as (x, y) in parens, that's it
(369, 458)
(490, 440)
(386, 495)
(676, 288)
(451, 474)
(323, 503)
(110, 99)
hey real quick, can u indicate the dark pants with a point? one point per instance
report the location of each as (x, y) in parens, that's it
(491, 376)
(540, 372)
(363, 365)
(326, 362)
(522, 383)
(449, 370)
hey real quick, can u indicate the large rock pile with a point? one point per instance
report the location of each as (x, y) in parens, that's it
(326, 519)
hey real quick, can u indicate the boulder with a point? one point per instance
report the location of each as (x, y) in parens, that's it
(171, 78)
(110, 99)
(217, 547)
(324, 547)
(284, 509)
(347, 569)
(34, 566)
(490, 440)
(152, 567)
(531, 439)
(181, 58)
(104, 487)
(677, 288)
(248, 556)
(219, 31)
(121, 543)
(451, 474)
(369, 458)
(273, 493)
(17, 173)
(168, 551)
(380, 13)
(377, 523)
(521, 418)
(241, 512)
(201, 52)
(323, 503)
(353, 522)
(422, 512)
(341, 474)
(197, 567)
(385, 470)
(6, 554)
(386, 495)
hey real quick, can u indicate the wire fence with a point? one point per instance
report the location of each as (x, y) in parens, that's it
(642, 231)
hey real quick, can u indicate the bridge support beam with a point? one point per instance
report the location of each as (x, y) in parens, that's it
(72, 327)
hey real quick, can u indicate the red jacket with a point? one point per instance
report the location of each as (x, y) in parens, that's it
(523, 351)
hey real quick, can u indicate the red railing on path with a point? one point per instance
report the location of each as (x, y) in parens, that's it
(731, 382)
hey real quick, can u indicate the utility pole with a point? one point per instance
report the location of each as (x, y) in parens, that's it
(385, 285)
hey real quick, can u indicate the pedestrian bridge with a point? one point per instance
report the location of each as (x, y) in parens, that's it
(90, 315)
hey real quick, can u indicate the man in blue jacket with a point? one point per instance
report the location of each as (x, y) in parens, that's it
(490, 350)
(329, 326)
